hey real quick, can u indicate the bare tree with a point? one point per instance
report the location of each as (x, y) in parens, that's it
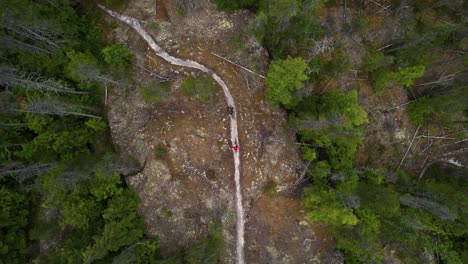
(112, 164)
(23, 172)
(88, 72)
(12, 43)
(13, 124)
(127, 255)
(7, 107)
(435, 208)
(10, 77)
(53, 106)
(40, 37)
(318, 124)
(34, 34)
(72, 175)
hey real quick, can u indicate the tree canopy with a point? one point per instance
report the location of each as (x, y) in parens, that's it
(283, 78)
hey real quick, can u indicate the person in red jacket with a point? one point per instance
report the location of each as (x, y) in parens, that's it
(235, 147)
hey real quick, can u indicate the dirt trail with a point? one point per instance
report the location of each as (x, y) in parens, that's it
(135, 24)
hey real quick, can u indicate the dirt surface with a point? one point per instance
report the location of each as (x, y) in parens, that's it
(179, 195)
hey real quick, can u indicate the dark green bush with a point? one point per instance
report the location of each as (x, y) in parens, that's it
(232, 5)
(211, 175)
(160, 151)
(154, 92)
(117, 56)
(201, 88)
(270, 188)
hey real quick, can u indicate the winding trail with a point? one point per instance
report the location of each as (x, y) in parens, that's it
(135, 24)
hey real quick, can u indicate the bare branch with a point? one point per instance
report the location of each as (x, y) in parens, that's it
(10, 77)
(238, 65)
(411, 144)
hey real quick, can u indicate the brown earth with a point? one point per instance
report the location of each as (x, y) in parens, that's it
(179, 199)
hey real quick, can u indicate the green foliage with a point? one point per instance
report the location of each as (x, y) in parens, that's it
(208, 250)
(97, 207)
(117, 56)
(338, 63)
(320, 170)
(287, 27)
(405, 76)
(122, 226)
(382, 79)
(360, 243)
(372, 61)
(153, 24)
(270, 188)
(420, 110)
(201, 88)
(166, 212)
(446, 109)
(283, 78)
(332, 104)
(381, 200)
(98, 125)
(96, 212)
(360, 23)
(105, 186)
(211, 175)
(14, 213)
(64, 140)
(308, 154)
(160, 151)
(78, 60)
(235, 43)
(155, 92)
(141, 252)
(232, 5)
(116, 4)
(326, 205)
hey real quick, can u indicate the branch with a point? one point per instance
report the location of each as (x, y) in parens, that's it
(434, 137)
(411, 144)
(240, 66)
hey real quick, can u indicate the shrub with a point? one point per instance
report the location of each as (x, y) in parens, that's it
(166, 212)
(116, 4)
(154, 92)
(382, 78)
(283, 78)
(160, 151)
(208, 250)
(360, 23)
(372, 61)
(270, 188)
(117, 56)
(153, 24)
(406, 76)
(232, 5)
(338, 63)
(211, 175)
(201, 88)
(235, 43)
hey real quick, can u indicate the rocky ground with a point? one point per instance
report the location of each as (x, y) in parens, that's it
(192, 186)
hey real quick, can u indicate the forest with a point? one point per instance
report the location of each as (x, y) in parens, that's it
(372, 208)
(62, 182)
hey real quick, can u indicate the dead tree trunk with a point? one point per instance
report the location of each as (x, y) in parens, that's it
(10, 77)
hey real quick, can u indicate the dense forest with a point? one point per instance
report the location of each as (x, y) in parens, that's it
(61, 182)
(371, 209)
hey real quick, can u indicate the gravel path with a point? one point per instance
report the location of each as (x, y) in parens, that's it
(135, 24)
